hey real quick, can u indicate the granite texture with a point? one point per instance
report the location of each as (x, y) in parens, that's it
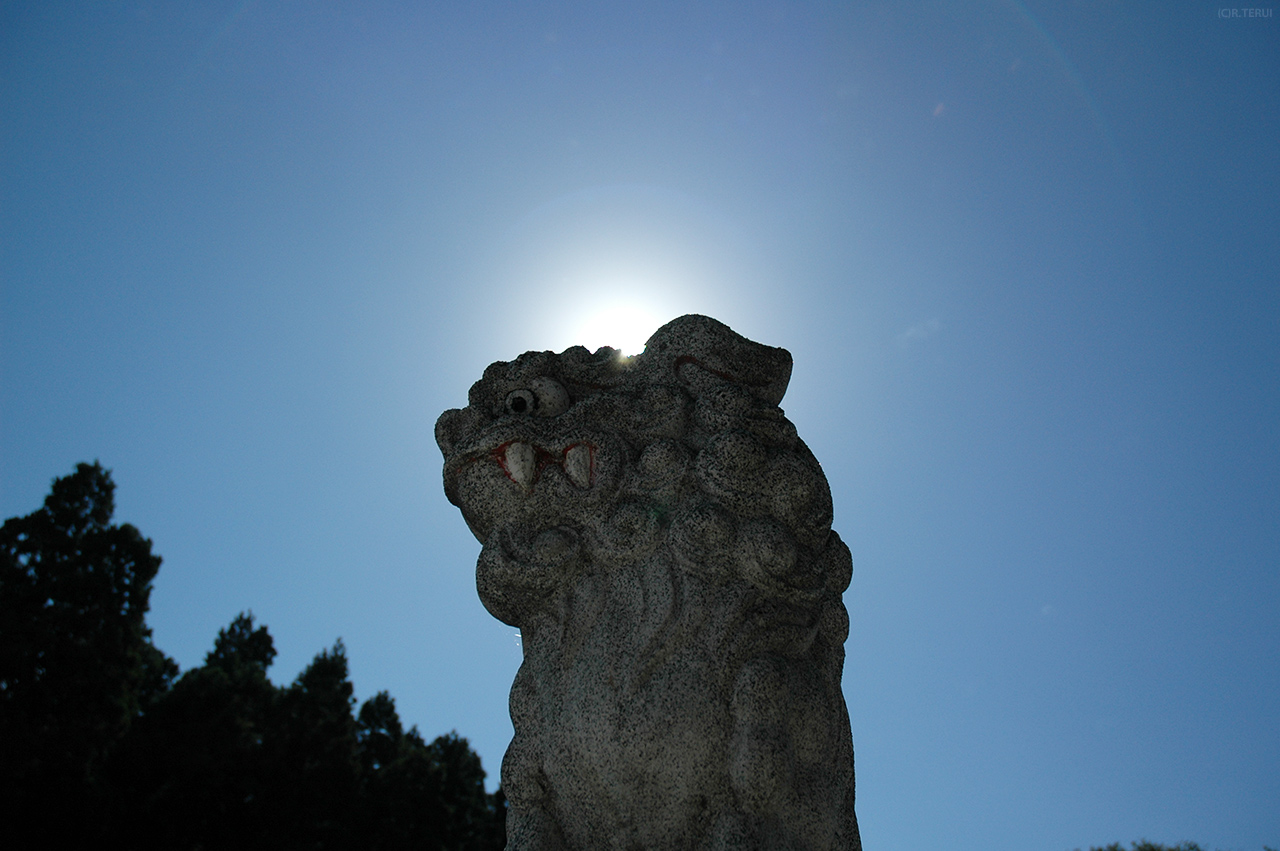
(662, 539)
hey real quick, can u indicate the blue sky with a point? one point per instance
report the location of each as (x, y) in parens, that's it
(1025, 257)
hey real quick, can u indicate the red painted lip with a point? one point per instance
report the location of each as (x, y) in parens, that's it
(544, 458)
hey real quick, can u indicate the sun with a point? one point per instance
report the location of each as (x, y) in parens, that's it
(610, 265)
(621, 325)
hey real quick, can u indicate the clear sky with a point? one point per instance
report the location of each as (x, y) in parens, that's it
(1026, 258)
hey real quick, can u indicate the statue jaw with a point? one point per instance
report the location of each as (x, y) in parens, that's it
(511, 474)
(514, 577)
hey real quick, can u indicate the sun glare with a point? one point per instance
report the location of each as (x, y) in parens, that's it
(610, 265)
(625, 327)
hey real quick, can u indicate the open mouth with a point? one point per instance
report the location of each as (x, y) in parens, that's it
(524, 462)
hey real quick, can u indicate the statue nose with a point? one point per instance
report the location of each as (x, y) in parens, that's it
(450, 429)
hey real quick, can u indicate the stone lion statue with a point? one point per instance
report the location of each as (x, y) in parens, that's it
(662, 539)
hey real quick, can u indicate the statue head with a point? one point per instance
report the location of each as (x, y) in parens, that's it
(560, 461)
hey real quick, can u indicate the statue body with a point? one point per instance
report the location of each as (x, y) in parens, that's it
(661, 537)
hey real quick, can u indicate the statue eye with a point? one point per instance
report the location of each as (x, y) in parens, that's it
(522, 402)
(553, 399)
(544, 397)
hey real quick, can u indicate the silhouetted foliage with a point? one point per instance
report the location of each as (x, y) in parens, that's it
(1144, 845)
(76, 663)
(193, 766)
(226, 759)
(1150, 846)
(401, 772)
(311, 753)
(102, 745)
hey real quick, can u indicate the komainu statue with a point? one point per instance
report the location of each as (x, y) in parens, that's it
(662, 539)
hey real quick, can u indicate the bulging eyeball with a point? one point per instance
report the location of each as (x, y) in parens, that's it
(553, 399)
(544, 397)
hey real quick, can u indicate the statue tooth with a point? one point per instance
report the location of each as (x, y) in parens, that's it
(577, 464)
(521, 463)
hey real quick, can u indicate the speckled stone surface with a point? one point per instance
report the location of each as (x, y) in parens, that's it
(662, 539)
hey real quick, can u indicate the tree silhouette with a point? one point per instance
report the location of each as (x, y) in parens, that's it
(227, 760)
(193, 766)
(104, 744)
(76, 663)
(1150, 846)
(312, 755)
(419, 795)
(1144, 845)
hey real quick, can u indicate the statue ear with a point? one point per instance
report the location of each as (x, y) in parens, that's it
(702, 342)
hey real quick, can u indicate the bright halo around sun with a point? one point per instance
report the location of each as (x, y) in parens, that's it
(622, 325)
(609, 266)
